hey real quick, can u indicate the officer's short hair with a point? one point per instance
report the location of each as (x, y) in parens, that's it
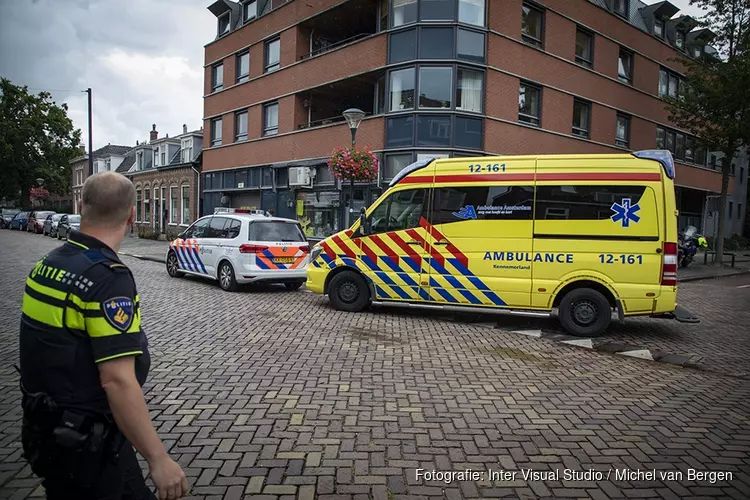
(108, 198)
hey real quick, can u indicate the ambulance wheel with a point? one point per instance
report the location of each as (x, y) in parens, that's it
(173, 266)
(584, 312)
(226, 277)
(348, 292)
(294, 285)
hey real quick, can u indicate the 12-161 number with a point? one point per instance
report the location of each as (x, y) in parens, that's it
(608, 258)
(490, 167)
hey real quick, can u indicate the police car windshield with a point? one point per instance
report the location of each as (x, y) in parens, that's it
(275, 231)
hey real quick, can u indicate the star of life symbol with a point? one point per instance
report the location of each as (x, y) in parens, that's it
(466, 212)
(625, 212)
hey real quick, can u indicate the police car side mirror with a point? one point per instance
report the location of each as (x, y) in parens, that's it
(181, 235)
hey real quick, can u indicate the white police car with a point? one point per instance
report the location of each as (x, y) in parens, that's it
(236, 246)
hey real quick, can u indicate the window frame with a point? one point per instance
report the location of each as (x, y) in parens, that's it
(184, 212)
(586, 63)
(237, 135)
(534, 121)
(697, 146)
(660, 22)
(680, 34)
(671, 75)
(455, 67)
(484, 13)
(530, 39)
(270, 68)
(216, 70)
(174, 201)
(620, 142)
(216, 141)
(239, 77)
(451, 90)
(625, 14)
(270, 131)
(245, 10)
(631, 58)
(228, 29)
(583, 133)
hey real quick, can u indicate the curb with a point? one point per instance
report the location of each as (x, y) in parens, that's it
(739, 272)
(618, 348)
(145, 257)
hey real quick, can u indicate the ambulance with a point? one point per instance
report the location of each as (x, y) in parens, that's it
(580, 237)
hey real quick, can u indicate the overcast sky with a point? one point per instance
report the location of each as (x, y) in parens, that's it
(142, 58)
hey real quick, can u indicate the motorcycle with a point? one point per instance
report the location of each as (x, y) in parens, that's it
(689, 242)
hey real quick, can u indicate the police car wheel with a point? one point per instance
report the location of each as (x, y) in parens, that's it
(585, 312)
(173, 266)
(348, 292)
(226, 277)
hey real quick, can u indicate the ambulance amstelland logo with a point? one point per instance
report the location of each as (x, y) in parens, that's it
(119, 312)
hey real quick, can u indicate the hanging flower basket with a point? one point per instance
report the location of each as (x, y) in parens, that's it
(352, 164)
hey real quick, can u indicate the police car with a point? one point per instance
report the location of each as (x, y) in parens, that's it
(236, 247)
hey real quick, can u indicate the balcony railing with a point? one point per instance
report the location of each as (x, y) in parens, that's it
(335, 45)
(320, 123)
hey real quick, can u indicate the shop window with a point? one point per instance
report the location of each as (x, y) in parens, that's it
(582, 202)
(584, 48)
(469, 132)
(400, 131)
(470, 91)
(581, 118)
(254, 177)
(404, 12)
(402, 89)
(266, 177)
(228, 181)
(529, 108)
(471, 12)
(532, 20)
(433, 130)
(489, 203)
(622, 131)
(625, 66)
(282, 177)
(470, 45)
(436, 43)
(401, 210)
(437, 10)
(402, 46)
(394, 164)
(323, 175)
(435, 87)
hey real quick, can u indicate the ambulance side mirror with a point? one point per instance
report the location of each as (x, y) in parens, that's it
(363, 226)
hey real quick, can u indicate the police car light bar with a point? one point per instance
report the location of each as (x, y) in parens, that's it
(226, 210)
(663, 156)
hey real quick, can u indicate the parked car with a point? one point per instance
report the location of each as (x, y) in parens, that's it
(50, 224)
(66, 223)
(36, 221)
(20, 220)
(6, 216)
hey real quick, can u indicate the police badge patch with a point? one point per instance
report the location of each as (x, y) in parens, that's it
(119, 312)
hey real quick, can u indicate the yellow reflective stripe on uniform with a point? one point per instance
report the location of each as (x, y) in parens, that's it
(60, 295)
(51, 315)
(79, 244)
(100, 327)
(131, 353)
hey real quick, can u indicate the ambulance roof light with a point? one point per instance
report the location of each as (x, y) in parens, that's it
(663, 156)
(413, 167)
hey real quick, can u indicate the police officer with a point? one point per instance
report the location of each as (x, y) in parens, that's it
(84, 358)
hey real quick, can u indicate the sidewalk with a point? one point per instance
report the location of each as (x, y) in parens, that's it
(699, 271)
(145, 249)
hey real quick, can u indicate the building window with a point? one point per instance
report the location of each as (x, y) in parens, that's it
(670, 84)
(435, 87)
(217, 77)
(742, 175)
(437, 10)
(621, 8)
(470, 45)
(138, 205)
(402, 46)
(679, 40)
(164, 156)
(394, 164)
(240, 126)
(250, 10)
(185, 216)
(659, 28)
(584, 48)
(622, 131)
(399, 131)
(689, 149)
(531, 25)
(146, 206)
(243, 67)
(528, 104)
(271, 119)
(223, 27)
(404, 12)
(625, 66)
(739, 210)
(434, 130)
(187, 150)
(470, 90)
(216, 131)
(402, 89)
(468, 132)
(697, 52)
(581, 118)
(273, 55)
(471, 12)
(155, 155)
(173, 205)
(436, 43)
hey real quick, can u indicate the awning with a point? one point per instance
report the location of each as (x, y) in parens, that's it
(300, 163)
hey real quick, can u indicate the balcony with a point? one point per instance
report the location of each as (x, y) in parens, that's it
(340, 26)
(324, 105)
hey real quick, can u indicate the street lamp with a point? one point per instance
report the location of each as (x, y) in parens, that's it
(353, 117)
(40, 181)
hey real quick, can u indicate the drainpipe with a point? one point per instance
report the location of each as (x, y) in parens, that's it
(198, 198)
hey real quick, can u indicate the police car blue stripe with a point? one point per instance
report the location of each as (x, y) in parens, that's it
(185, 261)
(200, 261)
(190, 259)
(179, 256)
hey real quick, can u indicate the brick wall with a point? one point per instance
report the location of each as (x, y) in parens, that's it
(166, 178)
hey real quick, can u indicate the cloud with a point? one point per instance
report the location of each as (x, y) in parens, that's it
(143, 60)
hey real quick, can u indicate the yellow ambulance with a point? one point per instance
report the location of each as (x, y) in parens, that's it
(576, 236)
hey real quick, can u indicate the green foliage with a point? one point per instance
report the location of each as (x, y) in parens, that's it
(37, 140)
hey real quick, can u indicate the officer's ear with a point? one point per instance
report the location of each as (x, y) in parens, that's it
(131, 217)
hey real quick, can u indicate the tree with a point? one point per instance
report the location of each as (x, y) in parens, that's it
(714, 103)
(37, 140)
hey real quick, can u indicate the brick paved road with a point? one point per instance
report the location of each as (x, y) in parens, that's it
(272, 394)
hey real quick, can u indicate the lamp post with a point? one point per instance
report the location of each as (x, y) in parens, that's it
(353, 117)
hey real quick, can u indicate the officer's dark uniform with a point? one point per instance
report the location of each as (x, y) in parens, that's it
(80, 308)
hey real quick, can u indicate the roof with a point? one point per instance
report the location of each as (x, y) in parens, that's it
(111, 149)
(127, 162)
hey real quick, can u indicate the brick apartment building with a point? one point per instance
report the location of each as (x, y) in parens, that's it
(166, 174)
(106, 158)
(443, 78)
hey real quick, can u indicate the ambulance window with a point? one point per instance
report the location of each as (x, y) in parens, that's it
(401, 210)
(583, 202)
(456, 204)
